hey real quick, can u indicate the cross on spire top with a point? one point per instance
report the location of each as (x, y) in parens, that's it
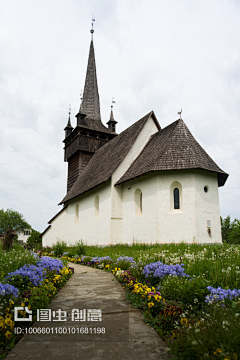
(92, 30)
(180, 113)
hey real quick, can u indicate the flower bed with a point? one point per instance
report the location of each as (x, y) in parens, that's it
(196, 320)
(31, 286)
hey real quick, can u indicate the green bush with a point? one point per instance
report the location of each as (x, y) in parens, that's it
(185, 290)
(80, 248)
(123, 265)
(59, 248)
(34, 238)
(216, 335)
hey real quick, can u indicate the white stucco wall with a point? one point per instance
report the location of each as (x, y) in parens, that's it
(207, 207)
(144, 136)
(159, 222)
(90, 229)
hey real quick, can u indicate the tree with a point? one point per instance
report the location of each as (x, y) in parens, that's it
(226, 228)
(230, 230)
(11, 219)
(34, 238)
(234, 236)
(8, 239)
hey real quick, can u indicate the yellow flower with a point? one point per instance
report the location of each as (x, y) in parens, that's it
(8, 334)
(9, 322)
(11, 302)
(115, 269)
(7, 310)
(150, 304)
(218, 351)
(1, 323)
(8, 316)
(22, 304)
(184, 321)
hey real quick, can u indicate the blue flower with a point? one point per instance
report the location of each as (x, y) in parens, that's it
(160, 270)
(7, 289)
(219, 294)
(126, 258)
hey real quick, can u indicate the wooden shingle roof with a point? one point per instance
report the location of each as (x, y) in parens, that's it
(90, 103)
(173, 148)
(106, 159)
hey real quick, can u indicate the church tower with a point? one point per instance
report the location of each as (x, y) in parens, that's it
(90, 133)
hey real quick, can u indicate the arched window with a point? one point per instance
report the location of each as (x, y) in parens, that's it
(97, 206)
(176, 198)
(77, 214)
(138, 202)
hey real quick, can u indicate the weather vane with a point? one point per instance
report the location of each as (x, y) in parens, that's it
(113, 102)
(81, 94)
(69, 109)
(180, 113)
(92, 31)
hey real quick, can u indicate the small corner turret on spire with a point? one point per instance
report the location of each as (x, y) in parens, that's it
(112, 122)
(68, 129)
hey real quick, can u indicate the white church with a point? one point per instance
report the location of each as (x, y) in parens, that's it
(147, 184)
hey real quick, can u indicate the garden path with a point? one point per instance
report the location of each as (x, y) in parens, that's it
(127, 336)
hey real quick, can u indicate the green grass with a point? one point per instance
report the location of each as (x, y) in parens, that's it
(14, 259)
(219, 264)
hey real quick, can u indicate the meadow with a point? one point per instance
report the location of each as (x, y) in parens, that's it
(190, 294)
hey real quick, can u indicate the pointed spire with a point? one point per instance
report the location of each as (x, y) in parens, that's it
(111, 115)
(90, 104)
(112, 122)
(69, 122)
(68, 129)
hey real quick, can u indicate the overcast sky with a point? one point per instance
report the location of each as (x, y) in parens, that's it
(150, 55)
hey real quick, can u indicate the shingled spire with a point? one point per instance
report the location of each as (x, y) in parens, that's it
(89, 134)
(90, 104)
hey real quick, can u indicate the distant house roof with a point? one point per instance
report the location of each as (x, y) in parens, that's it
(106, 159)
(173, 148)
